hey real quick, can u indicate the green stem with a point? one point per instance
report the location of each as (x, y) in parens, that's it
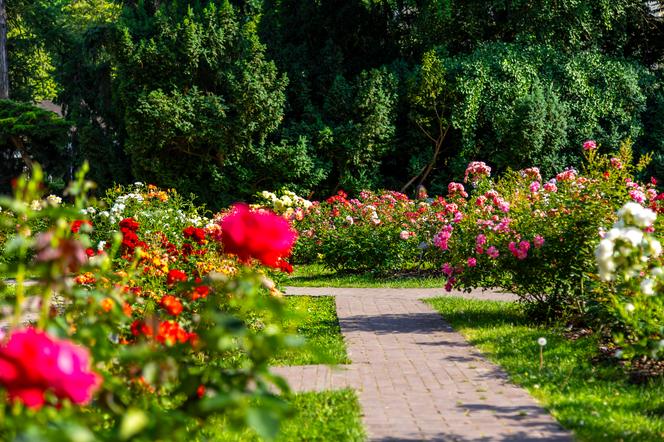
(45, 306)
(20, 287)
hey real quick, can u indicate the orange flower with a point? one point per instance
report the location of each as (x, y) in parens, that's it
(107, 304)
(126, 309)
(171, 304)
(85, 278)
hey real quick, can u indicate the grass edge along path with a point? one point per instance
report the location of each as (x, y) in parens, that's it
(321, 416)
(315, 319)
(595, 400)
(316, 275)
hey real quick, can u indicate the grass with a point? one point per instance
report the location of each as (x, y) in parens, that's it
(595, 400)
(314, 318)
(324, 416)
(316, 275)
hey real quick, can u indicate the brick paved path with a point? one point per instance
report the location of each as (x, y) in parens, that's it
(417, 379)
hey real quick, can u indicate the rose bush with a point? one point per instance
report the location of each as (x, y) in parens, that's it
(381, 232)
(536, 238)
(629, 260)
(154, 329)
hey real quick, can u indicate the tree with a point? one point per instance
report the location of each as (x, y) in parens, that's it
(196, 97)
(27, 135)
(4, 69)
(430, 98)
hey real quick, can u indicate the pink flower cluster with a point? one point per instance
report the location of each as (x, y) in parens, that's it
(442, 238)
(32, 363)
(494, 198)
(456, 189)
(637, 195)
(550, 186)
(475, 171)
(589, 145)
(533, 173)
(566, 175)
(520, 251)
(480, 240)
(492, 252)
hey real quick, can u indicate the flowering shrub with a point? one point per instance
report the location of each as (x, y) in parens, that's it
(536, 238)
(289, 204)
(154, 329)
(380, 232)
(629, 256)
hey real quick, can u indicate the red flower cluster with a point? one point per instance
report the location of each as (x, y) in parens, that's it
(195, 234)
(129, 227)
(92, 252)
(200, 292)
(139, 327)
(32, 362)
(175, 276)
(170, 333)
(76, 225)
(257, 234)
(171, 304)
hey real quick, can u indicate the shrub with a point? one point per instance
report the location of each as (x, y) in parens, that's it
(537, 238)
(161, 330)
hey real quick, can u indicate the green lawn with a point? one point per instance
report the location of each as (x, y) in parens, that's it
(595, 400)
(315, 275)
(324, 416)
(314, 318)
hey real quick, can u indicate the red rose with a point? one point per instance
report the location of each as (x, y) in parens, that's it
(171, 304)
(170, 333)
(175, 276)
(257, 234)
(195, 234)
(129, 224)
(285, 267)
(200, 292)
(140, 328)
(76, 225)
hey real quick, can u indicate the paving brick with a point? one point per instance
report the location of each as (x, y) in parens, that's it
(417, 379)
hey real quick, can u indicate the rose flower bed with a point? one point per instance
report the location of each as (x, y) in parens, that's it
(154, 304)
(521, 233)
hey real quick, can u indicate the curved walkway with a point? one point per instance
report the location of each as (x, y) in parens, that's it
(417, 379)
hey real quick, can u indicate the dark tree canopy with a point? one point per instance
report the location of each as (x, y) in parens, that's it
(226, 98)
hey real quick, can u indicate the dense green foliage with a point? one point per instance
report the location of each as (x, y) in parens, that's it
(29, 134)
(225, 98)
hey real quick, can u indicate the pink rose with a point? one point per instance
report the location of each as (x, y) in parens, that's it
(31, 363)
(589, 145)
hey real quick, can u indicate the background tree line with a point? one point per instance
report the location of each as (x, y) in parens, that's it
(225, 98)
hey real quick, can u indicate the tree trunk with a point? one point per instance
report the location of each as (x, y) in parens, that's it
(4, 70)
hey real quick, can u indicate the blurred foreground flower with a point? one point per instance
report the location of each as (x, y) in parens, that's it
(257, 234)
(31, 363)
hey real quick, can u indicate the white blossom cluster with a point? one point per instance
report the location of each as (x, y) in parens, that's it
(287, 200)
(115, 213)
(615, 252)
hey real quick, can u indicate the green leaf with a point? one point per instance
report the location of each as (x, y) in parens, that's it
(264, 421)
(133, 422)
